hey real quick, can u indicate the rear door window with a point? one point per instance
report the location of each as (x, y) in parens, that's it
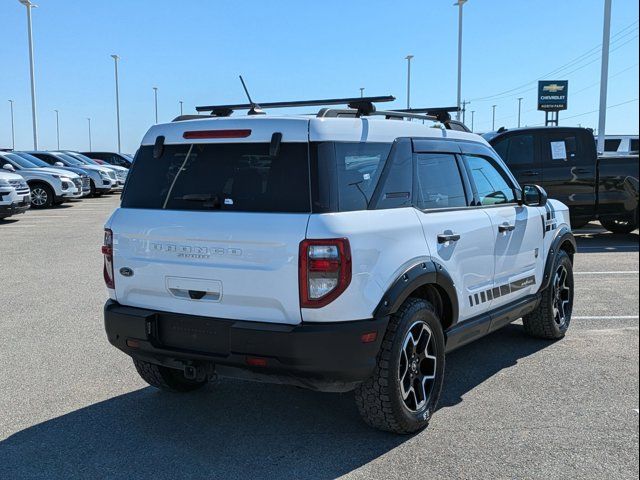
(438, 182)
(502, 148)
(612, 144)
(565, 148)
(521, 150)
(240, 177)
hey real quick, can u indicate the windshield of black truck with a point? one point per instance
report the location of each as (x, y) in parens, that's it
(239, 177)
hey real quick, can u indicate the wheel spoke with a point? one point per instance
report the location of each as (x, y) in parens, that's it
(423, 394)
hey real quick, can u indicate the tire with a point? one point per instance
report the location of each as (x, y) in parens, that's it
(164, 378)
(576, 224)
(94, 191)
(552, 317)
(380, 398)
(621, 226)
(42, 195)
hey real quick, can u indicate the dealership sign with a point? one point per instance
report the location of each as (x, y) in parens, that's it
(552, 95)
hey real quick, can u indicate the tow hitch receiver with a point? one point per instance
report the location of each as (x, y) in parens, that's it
(199, 372)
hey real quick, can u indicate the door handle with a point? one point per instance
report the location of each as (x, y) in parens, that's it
(448, 237)
(583, 170)
(530, 173)
(506, 227)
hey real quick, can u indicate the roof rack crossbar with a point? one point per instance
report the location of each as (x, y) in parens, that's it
(400, 114)
(441, 113)
(362, 104)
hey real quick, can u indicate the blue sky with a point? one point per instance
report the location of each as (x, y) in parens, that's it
(287, 50)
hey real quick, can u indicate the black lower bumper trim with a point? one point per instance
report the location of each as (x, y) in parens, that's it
(326, 356)
(14, 208)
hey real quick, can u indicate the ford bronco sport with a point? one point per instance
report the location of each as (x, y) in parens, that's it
(345, 251)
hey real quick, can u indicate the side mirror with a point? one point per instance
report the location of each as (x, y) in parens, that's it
(534, 196)
(58, 164)
(8, 166)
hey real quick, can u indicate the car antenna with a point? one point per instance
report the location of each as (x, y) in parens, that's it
(255, 108)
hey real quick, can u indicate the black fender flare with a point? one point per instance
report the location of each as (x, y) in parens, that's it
(563, 235)
(422, 273)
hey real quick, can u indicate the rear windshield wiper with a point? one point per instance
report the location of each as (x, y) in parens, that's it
(208, 200)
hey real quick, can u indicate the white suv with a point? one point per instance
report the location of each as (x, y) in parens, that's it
(48, 186)
(15, 196)
(335, 252)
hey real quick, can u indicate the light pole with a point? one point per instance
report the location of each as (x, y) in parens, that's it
(155, 100)
(180, 102)
(58, 128)
(464, 110)
(604, 74)
(29, 5)
(408, 58)
(519, 109)
(361, 92)
(459, 4)
(473, 114)
(115, 60)
(89, 122)
(13, 129)
(493, 121)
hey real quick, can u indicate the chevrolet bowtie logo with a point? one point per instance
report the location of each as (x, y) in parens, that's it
(553, 88)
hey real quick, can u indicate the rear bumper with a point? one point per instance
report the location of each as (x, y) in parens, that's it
(327, 356)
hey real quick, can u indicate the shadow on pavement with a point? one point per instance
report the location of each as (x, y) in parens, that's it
(472, 364)
(595, 239)
(233, 429)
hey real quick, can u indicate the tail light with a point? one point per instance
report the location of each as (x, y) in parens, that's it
(324, 271)
(107, 251)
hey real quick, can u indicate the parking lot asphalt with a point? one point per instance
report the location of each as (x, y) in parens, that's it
(72, 406)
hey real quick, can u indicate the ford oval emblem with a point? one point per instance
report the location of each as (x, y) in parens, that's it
(126, 272)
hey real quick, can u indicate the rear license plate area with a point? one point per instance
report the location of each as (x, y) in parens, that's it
(195, 334)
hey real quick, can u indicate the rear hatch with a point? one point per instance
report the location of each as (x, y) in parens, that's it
(213, 228)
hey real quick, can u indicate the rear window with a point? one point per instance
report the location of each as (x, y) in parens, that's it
(612, 144)
(239, 177)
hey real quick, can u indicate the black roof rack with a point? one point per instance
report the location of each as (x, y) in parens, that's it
(362, 105)
(356, 107)
(440, 113)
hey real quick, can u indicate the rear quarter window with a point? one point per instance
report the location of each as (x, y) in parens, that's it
(239, 177)
(345, 174)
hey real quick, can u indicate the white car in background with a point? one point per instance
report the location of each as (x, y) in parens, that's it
(121, 172)
(102, 179)
(64, 171)
(14, 194)
(48, 187)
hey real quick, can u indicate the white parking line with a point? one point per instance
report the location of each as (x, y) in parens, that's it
(605, 317)
(606, 247)
(615, 272)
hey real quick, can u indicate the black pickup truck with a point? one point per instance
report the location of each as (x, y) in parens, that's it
(565, 162)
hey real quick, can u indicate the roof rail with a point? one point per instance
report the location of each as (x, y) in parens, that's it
(362, 105)
(388, 114)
